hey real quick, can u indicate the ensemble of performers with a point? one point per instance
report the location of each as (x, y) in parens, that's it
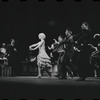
(8, 59)
(76, 54)
(67, 44)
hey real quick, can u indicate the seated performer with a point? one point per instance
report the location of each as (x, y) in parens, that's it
(43, 60)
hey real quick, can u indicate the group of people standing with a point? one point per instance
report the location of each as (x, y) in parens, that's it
(87, 60)
(65, 46)
(9, 53)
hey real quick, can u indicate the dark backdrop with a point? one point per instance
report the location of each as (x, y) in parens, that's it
(24, 20)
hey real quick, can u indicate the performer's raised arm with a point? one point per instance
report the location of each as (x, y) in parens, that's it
(96, 35)
(56, 42)
(67, 39)
(38, 45)
(33, 45)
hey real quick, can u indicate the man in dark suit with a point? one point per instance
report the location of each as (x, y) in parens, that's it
(12, 56)
(84, 66)
(68, 55)
(65, 55)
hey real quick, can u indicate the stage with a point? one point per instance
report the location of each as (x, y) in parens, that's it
(32, 88)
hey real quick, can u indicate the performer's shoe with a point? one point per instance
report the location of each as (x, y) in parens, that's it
(71, 75)
(81, 79)
(57, 76)
(38, 76)
(62, 77)
(50, 75)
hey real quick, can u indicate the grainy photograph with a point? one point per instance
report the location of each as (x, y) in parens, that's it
(49, 49)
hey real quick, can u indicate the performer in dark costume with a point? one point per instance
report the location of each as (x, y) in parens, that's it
(12, 56)
(95, 60)
(60, 50)
(98, 61)
(66, 56)
(84, 66)
(69, 52)
(53, 55)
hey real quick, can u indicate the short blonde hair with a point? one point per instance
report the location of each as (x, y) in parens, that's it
(42, 36)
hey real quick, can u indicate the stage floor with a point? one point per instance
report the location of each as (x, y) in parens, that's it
(32, 88)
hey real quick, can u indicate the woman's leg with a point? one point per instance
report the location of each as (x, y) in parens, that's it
(48, 72)
(39, 71)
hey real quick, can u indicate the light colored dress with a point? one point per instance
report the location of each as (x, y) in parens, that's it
(43, 60)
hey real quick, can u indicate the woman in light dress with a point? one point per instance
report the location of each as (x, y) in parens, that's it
(43, 60)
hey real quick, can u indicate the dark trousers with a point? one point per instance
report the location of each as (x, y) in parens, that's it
(97, 68)
(59, 63)
(85, 69)
(13, 65)
(64, 64)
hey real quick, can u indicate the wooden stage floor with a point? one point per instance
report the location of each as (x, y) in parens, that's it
(32, 88)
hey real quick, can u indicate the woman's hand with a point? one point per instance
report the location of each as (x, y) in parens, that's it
(30, 48)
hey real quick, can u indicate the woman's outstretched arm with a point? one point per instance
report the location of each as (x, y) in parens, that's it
(38, 45)
(33, 45)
